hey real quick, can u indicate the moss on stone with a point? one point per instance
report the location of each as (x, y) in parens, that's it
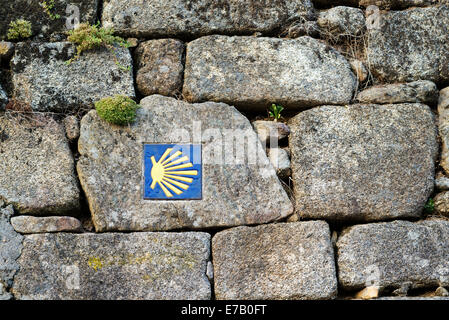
(19, 29)
(119, 110)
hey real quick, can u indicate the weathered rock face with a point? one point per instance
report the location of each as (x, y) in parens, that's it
(44, 81)
(45, 25)
(359, 69)
(36, 166)
(411, 45)
(394, 254)
(255, 72)
(443, 125)
(363, 162)
(418, 91)
(114, 266)
(195, 18)
(72, 128)
(160, 67)
(441, 202)
(277, 261)
(342, 21)
(30, 224)
(268, 131)
(235, 190)
(397, 4)
(441, 181)
(280, 161)
(10, 249)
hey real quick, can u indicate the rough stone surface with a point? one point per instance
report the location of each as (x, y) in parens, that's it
(43, 26)
(4, 295)
(114, 266)
(234, 192)
(44, 81)
(398, 4)
(342, 21)
(363, 162)
(195, 18)
(393, 253)
(302, 28)
(359, 69)
(280, 161)
(160, 67)
(443, 124)
(277, 261)
(72, 127)
(368, 293)
(255, 72)
(30, 224)
(3, 99)
(270, 131)
(421, 91)
(441, 203)
(37, 171)
(441, 181)
(411, 45)
(10, 249)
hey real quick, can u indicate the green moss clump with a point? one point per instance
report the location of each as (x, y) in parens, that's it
(19, 29)
(119, 110)
(87, 37)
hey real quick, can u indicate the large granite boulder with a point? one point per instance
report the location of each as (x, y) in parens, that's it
(255, 72)
(201, 17)
(275, 261)
(150, 266)
(45, 24)
(394, 254)
(237, 188)
(10, 249)
(43, 80)
(363, 162)
(37, 171)
(411, 45)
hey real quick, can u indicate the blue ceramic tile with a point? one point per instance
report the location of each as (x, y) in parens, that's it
(172, 172)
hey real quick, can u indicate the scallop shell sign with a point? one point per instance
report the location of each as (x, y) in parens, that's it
(172, 172)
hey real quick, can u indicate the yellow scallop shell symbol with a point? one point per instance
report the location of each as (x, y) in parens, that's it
(167, 175)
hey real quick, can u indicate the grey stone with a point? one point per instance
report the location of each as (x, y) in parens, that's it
(441, 203)
(10, 249)
(114, 266)
(6, 50)
(443, 125)
(30, 224)
(268, 131)
(195, 18)
(341, 21)
(160, 67)
(359, 69)
(363, 162)
(275, 261)
(253, 73)
(44, 26)
(37, 171)
(4, 295)
(235, 191)
(280, 161)
(421, 91)
(72, 128)
(393, 253)
(441, 181)
(44, 81)
(398, 4)
(410, 45)
(302, 28)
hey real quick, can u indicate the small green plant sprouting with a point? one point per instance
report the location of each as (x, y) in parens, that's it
(122, 67)
(19, 29)
(275, 111)
(119, 110)
(48, 8)
(429, 208)
(87, 37)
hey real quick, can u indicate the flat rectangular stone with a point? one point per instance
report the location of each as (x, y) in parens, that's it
(275, 261)
(114, 266)
(43, 80)
(363, 162)
(253, 73)
(394, 254)
(45, 25)
(192, 18)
